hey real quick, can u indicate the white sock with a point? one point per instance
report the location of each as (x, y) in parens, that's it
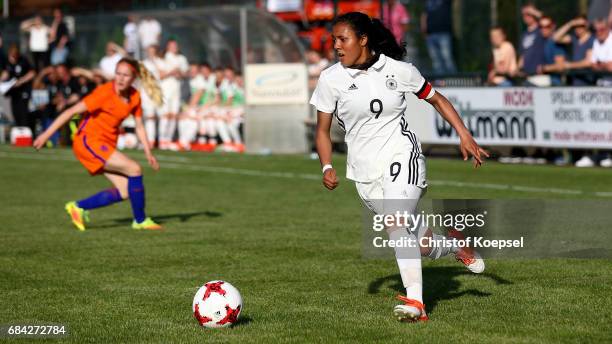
(234, 132)
(211, 130)
(182, 130)
(171, 128)
(409, 264)
(163, 129)
(202, 127)
(193, 129)
(188, 128)
(222, 129)
(437, 251)
(150, 128)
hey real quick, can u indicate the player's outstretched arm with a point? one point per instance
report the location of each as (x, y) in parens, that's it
(324, 149)
(141, 133)
(468, 145)
(58, 123)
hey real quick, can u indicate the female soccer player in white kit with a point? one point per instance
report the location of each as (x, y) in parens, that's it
(174, 69)
(366, 92)
(149, 109)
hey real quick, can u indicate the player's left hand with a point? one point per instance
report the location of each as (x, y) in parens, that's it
(153, 162)
(330, 180)
(469, 147)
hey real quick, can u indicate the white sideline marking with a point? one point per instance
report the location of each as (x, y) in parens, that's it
(241, 171)
(258, 173)
(514, 188)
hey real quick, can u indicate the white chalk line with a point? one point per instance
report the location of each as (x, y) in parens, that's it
(184, 163)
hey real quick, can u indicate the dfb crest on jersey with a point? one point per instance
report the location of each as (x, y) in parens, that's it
(391, 84)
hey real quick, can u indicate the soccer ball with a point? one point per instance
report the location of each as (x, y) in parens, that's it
(217, 304)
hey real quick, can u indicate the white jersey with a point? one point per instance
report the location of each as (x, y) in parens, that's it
(149, 31)
(108, 65)
(370, 106)
(171, 62)
(211, 83)
(154, 66)
(602, 51)
(197, 83)
(226, 89)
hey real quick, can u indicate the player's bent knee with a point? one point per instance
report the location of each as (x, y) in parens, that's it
(123, 192)
(134, 170)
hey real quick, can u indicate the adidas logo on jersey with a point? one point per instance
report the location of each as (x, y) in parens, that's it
(352, 87)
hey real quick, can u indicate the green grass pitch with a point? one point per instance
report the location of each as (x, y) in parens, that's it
(293, 249)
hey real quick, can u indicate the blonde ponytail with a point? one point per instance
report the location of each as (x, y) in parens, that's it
(150, 85)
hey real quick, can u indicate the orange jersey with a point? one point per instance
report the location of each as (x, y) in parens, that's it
(106, 110)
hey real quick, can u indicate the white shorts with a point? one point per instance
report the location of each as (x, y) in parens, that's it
(149, 109)
(172, 100)
(221, 112)
(237, 112)
(403, 180)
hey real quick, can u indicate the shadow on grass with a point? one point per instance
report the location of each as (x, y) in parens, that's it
(243, 321)
(161, 219)
(439, 283)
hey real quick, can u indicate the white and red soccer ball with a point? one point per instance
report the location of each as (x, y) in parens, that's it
(217, 304)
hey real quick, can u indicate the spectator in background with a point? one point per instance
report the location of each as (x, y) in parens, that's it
(174, 68)
(601, 60)
(108, 63)
(85, 81)
(207, 125)
(59, 38)
(234, 111)
(330, 56)
(150, 111)
(396, 18)
(68, 88)
(39, 41)
(46, 85)
(554, 56)
(3, 59)
(504, 59)
(316, 64)
(582, 44)
(149, 32)
(436, 24)
(98, 78)
(188, 119)
(532, 42)
(130, 41)
(19, 68)
(208, 75)
(68, 95)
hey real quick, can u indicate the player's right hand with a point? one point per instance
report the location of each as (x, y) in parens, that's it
(330, 180)
(40, 142)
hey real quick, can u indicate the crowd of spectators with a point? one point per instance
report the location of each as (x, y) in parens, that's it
(579, 51)
(203, 107)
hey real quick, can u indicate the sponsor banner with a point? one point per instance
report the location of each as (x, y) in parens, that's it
(548, 117)
(276, 83)
(284, 5)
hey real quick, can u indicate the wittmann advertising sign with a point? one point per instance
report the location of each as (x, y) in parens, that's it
(550, 117)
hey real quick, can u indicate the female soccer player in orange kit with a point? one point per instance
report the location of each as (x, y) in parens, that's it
(95, 142)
